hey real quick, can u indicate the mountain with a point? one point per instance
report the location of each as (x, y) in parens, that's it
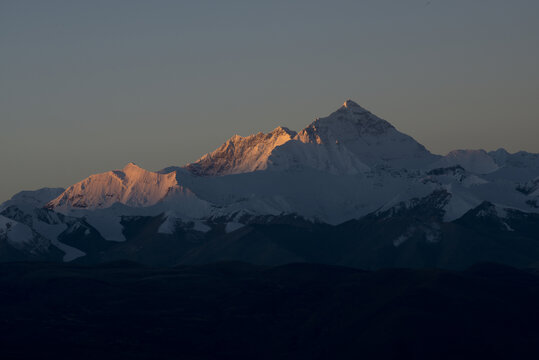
(242, 154)
(372, 140)
(476, 161)
(131, 186)
(348, 189)
(350, 140)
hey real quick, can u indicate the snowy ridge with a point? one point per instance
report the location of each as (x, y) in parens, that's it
(29, 200)
(520, 159)
(242, 154)
(475, 161)
(131, 186)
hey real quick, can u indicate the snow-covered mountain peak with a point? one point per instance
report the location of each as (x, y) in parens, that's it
(349, 123)
(374, 141)
(132, 168)
(353, 111)
(500, 152)
(242, 154)
(135, 173)
(349, 141)
(27, 200)
(349, 104)
(475, 161)
(132, 186)
(282, 130)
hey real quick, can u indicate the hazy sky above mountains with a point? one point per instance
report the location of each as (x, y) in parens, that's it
(87, 86)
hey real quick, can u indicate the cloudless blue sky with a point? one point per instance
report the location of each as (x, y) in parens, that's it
(87, 86)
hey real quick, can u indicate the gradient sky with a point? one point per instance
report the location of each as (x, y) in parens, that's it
(87, 86)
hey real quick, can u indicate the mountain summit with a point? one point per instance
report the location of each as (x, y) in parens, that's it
(132, 186)
(351, 140)
(242, 154)
(350, 104)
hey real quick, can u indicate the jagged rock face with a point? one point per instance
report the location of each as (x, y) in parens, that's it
(132, 186)
(351, 140)
(529, 188)
(242, 154)
(429, 206)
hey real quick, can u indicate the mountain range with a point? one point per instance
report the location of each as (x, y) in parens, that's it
(348, 189)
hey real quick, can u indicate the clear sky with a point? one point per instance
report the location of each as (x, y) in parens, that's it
(87, 86)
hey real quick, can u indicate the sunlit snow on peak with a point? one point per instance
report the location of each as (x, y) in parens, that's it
(349, 104)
